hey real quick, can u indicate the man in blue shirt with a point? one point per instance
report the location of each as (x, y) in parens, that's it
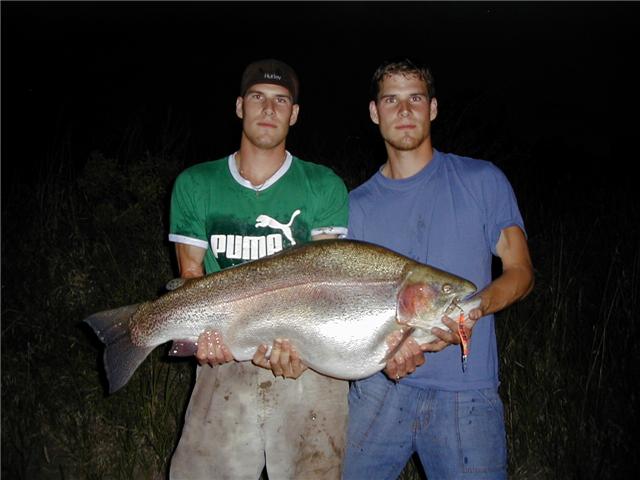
(453, 213)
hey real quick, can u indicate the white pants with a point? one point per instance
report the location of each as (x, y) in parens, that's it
(240, 417)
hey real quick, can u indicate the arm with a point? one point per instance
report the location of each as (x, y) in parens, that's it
(284, 359)
(514, 284)
(190, 260)
(516, 281)
(211, 350)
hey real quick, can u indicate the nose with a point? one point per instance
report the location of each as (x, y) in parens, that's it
(404, 109)
(268, 107)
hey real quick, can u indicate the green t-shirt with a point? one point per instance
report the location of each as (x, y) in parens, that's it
(213, 207)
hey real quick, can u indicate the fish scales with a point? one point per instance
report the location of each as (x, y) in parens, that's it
(337, 301)
(303, 267)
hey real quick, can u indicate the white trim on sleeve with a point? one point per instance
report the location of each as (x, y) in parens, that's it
(188, 240)
(340, 231)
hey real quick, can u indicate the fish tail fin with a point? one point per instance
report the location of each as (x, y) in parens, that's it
(121, 356)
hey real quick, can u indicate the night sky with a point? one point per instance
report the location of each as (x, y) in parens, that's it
(78, 77)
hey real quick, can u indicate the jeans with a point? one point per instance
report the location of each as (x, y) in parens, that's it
(456, 434)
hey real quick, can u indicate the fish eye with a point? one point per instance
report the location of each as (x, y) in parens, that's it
(446, 288)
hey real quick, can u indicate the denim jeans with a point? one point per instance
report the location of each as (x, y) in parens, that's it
(456, 434)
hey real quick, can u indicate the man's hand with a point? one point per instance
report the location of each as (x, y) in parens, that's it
(406, 359)
(451, 336)
(284, 359)
(410, 355)
(211, 350)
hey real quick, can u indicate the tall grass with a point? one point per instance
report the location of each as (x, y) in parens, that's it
(568, 358)
(77, 243)
(80, 245)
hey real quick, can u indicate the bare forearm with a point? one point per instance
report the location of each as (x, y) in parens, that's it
(514, 284)
(192, 272)
(190, 260)
(516, 280)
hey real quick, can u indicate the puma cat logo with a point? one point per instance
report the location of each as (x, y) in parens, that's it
(267, 221)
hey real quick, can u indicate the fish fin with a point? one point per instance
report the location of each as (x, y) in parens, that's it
(183, 348)
(121, 356)
(174, 283)
(406, 334)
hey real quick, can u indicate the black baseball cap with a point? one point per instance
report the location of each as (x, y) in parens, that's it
(270, 71)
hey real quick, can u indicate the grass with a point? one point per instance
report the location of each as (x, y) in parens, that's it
(82, 242)
(99, 241)
(568, 353)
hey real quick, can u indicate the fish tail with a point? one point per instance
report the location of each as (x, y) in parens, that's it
(121, 356)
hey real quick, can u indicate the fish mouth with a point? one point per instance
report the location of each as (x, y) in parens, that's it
(454, 306)
(450, 309)
(459, 305)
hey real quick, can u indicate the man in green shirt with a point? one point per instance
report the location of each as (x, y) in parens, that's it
(255, 202)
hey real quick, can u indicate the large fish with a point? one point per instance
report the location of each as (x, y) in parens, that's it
(337, 301)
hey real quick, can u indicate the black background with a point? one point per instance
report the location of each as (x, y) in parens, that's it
(78, 77)
(546, 90)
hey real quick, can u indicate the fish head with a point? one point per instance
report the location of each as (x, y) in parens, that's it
(426, 294)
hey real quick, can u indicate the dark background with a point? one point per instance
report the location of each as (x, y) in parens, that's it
(104, 103)
(84, 76)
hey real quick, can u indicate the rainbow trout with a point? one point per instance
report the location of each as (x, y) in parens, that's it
(337, 301)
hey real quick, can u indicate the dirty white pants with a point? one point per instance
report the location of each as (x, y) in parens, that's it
(240, 417)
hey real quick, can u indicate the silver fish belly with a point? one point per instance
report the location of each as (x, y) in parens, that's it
(337, 301)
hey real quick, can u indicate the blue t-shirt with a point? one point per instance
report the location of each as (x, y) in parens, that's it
(449, 215)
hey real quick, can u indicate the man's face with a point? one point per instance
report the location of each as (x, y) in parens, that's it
(403, 111)
(267, 111)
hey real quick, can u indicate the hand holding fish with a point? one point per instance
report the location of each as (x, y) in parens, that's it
(405, 361)
(445, 337)
(410, 355)
(211, 350)
(337, 301)
(284, 359)
(472, 313)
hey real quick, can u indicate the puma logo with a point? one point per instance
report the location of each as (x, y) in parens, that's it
(267, 221)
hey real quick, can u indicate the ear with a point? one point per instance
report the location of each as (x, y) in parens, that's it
(295, 109)
(373, 112)
(239, 102)
(433, 110)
